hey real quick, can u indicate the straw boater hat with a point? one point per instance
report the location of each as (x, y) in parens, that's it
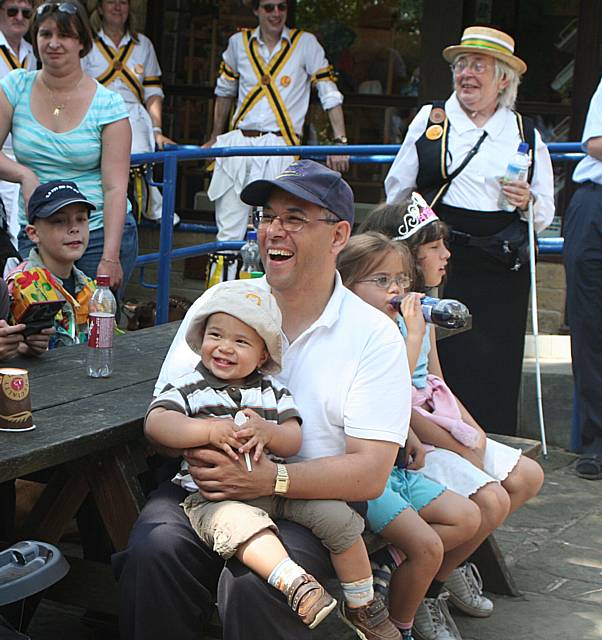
(491, 42)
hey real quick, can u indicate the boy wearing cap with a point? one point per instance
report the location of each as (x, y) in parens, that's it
(236, 355)
(57, 218)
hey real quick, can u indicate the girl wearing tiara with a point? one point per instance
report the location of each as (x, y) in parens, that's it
(458, 453)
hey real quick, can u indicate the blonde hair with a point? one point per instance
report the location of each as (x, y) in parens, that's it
(365, 252)
(96, 20)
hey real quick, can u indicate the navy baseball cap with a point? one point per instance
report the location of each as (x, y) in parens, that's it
(48, 198)
(310, 181)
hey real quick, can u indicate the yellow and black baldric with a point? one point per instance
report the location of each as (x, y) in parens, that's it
(267, 86)
(117, 67)
(11, 61)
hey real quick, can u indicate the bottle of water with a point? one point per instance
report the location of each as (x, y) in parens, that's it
(517, 169)
(251, 265)
(443, 312)
(102, 327)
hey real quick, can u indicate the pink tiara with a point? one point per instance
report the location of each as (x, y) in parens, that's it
(418, 214)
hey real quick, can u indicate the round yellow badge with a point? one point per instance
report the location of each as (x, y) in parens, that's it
(434, 132)
(285, 81)
(139, 69)
(437, 115)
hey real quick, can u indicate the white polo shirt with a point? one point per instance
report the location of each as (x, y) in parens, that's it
(590, 168)
(347, 372)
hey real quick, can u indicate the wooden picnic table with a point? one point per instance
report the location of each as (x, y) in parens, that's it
(86, 431)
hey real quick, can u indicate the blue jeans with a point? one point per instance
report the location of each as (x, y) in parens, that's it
(88, 263)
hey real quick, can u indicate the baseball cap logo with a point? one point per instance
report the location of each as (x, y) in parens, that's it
(294, 169)
(254, 297)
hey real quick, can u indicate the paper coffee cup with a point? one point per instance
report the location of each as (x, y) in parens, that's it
(15, 401)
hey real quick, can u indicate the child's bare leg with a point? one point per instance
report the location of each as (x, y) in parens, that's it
(424, 551)
(493, 503)
(455, 519)
(523, 482)
(352, 564)
(262, 553)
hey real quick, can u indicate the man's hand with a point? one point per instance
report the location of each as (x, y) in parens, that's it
(255, 434)
(10, 339)
(37, 343)
(112, 269)
(222, 435)
(338, 163)
(218, 477)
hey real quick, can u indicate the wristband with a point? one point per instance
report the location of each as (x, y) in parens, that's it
(103, 259)
(157, 130)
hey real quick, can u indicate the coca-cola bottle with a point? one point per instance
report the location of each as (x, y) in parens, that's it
(103, 307)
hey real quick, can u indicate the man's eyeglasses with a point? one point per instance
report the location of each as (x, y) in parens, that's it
(478, 67)
(269, 7)
(63, 7)
(384, 282)
(288, 221)
(13, 12)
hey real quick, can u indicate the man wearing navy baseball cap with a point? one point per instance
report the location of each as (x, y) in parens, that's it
(342, 364)
(57, 216)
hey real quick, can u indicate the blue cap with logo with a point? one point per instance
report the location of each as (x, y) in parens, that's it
(310, 181)
(48, 198)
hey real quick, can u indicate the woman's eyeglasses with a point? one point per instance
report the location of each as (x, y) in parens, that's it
(13, 12)
(63, 7)
(384, 282)
(476, 66)
(269, 8)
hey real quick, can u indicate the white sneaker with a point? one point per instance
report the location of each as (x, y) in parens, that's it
(433, 620)
(465, 588)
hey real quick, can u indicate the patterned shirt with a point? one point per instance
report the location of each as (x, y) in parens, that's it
(200, 394)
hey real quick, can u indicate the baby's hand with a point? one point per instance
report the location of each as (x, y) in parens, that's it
(255, 434)
(411, 310)
(222, 435)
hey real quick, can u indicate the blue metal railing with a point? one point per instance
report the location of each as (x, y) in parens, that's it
(375, 154)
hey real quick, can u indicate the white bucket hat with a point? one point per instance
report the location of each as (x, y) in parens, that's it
(250, 304)
(487, 41)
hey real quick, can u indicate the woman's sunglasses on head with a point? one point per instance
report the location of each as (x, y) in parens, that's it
(13, 12)
(63, 7)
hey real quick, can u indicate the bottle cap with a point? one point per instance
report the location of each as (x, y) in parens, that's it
(523, 147)
(103, 281)
(257, 274)
(251, 235)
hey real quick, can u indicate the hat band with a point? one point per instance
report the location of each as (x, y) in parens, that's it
(487, 44)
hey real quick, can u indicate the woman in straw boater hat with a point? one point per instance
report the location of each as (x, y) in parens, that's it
(455, 153)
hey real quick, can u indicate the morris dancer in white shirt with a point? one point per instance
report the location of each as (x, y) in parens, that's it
(124, 61)
(269, 71)
(15, 53)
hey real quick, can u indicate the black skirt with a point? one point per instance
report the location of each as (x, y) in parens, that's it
(483, 366)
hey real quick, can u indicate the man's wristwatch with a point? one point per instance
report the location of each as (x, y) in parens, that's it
(341, 140)
(282, 480)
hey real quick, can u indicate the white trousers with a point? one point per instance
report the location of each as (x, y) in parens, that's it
(232, 174)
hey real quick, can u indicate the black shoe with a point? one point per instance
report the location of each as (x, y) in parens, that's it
(589, 466)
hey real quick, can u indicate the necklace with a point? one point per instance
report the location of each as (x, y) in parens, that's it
(60, 106)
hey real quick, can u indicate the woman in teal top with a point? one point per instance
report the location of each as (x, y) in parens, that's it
(67, 126)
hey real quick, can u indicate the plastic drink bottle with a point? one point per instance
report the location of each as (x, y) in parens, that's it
(102, 327)
(251, 264)
(517, 169)
(443, 312)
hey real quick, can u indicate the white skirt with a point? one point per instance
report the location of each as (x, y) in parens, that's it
(461, 476)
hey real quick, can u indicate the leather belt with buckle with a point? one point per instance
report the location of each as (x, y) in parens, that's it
(253, 133)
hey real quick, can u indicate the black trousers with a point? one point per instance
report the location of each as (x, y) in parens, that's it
(583, 264)
(168, 580)
(483, 366)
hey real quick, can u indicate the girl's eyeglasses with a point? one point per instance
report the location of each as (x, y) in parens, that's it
(384, 282)
(63, 7)
(269, 8)
(13, 12)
